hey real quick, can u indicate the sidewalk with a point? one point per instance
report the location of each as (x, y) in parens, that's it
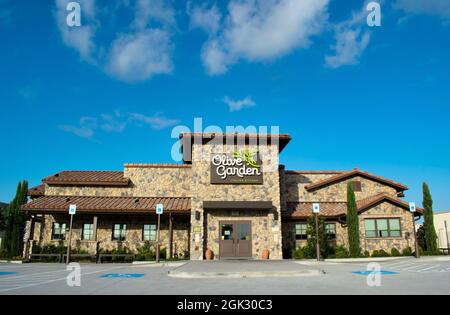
(243, 269)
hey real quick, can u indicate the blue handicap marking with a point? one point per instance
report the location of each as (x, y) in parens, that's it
(5, 273)
(122, 275)
(379, 272)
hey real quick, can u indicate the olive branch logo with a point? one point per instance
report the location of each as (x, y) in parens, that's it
(248, 156)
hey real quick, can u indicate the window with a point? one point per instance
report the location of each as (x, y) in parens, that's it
(357, 186)
(59, 231)
(119, 232)
(149, 232)
(380, 228)
(88, 232)
(300, 231)
(330, 230)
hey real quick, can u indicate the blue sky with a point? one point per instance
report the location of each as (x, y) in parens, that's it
(110, 91)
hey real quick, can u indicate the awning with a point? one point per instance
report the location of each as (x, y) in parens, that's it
(113, 205)
(237, 205)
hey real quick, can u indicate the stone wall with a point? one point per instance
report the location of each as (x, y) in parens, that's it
(261, 232)
(383, 210)
(203, 190)
(387, 210)
(145, 182)
(104, 233)
(295, 188)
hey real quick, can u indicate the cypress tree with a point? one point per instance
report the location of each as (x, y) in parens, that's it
(428, 224)
(14, 223)
(352, 222)
(323, 241)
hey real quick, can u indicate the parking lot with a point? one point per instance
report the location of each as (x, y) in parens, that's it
(406, 276)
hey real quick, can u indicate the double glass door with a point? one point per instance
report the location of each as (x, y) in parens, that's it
(235, 239)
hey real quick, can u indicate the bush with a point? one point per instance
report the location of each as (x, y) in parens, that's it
(379, 253)
(341, 252)
(395, 252)
(366, 254)
(407, 251)
(298, 253)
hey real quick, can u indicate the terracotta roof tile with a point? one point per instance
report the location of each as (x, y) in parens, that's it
(94, 178)
(367, 203)
(37, 191)
(352, 173)
(338, 209)
(304, 209)
(124, 205)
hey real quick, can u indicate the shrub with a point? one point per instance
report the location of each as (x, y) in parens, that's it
(407, 251)
(298, 253)
(395, 252)
(146, 253)
(341, 252)
(379, 253)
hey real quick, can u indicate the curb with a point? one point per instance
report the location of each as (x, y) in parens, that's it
(17, 262)
(241, 275)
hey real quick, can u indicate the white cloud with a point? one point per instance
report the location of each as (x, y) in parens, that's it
(139, 53)
(351, 41)
(259, 30)
(440, 8)
(207, 19)
(85, 129)
(156, 121)
(138, 57)
(153, 10)
(237, 105)
(116, 123)
(112, 122)
(80, 38)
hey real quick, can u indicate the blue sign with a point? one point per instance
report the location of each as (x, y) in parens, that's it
(123, 275)
(5, 273)
(380, 272)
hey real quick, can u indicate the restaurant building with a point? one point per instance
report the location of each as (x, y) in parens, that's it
(230, 195)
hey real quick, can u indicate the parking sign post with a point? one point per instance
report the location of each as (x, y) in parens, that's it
(316, 211)
(159, 211)
(72, 212)
(412, 209)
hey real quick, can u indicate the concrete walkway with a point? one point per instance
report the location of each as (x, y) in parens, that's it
(242, 269)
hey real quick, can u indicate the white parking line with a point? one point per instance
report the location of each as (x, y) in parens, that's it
(55, 280)
(414, 267)
(429, 268)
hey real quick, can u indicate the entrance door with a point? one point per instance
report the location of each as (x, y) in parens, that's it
(235, 239)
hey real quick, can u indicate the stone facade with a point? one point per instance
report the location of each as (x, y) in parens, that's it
(203, 190)
(199, 230)
(133, 239)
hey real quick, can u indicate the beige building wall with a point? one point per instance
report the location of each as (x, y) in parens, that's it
(439, 225)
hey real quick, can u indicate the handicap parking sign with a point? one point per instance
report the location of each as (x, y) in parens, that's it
(122, 275)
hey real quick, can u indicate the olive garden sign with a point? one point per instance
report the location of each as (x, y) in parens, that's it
(241, 168)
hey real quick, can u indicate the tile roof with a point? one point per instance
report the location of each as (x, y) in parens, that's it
(338, 209)
(37, 191)
(304, 209)
(93, 178)
(367, 203)
(283, 139)
(122, 205)
(352, 173)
